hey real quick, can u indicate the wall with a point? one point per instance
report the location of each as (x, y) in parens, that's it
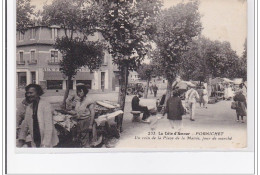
(43, 45)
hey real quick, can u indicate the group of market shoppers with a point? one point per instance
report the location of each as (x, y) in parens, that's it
(36, 115)
(175, 109)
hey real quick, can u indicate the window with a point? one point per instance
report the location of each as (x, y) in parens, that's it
(32, 55)
(54, 84)
(21, 36)
(21, 56)
(33, 77)
(33, 33)
(103, 81)
(104, 59)
(21, 79)
(54, 33)
(54, 57)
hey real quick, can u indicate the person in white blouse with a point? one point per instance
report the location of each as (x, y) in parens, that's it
(85, 114)
(191, 97)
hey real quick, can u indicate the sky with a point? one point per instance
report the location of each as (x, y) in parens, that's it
(223, 20)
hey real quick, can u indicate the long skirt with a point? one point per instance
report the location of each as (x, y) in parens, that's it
(241, 110)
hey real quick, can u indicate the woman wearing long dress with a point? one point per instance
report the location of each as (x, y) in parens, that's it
(241, 109)
(174, 110)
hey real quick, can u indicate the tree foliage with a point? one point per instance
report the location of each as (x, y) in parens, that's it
(75, 18)
(127, 26)
(78, 53)
(242, 64)
(212, 59)
(24, 13)
(176, 27)
(146, 71)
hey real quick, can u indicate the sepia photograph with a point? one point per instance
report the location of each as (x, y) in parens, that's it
(132, 74)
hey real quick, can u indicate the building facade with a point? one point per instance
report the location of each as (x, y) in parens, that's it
(38, 62)
(133, 76)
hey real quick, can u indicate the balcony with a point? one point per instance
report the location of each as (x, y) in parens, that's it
(32, 62)
(20, 62)
(50, 62)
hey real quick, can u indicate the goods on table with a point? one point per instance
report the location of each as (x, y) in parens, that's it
(107, 105)
(64, 120)
(105, 117)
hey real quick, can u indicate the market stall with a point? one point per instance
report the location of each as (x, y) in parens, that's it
(106, 113)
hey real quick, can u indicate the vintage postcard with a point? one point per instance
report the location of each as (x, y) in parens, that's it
(132, 74)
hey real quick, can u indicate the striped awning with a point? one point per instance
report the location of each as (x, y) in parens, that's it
(51, 75)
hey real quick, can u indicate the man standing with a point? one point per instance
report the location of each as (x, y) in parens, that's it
(190, 97)
(151, 88)
(155, 89)
(38, 120)
(137, 107)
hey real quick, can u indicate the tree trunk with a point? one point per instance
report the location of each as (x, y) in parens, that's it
(66, 93)
(168, 91)
(123, 87)
(146, 89)
(123, 80)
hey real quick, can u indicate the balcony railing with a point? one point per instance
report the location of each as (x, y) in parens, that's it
(50, 62)
(20, 62)
(32, 62)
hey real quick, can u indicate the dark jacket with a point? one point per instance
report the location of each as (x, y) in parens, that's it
(174, 108)
(155, 88)
(135, 103)
(242, 105)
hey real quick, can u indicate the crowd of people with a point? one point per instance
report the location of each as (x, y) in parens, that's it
(35, 126)
(175, 109)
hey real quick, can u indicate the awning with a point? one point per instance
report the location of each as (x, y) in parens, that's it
(84, 76)
(51, 75)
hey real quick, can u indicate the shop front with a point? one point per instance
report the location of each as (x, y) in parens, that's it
(56, 80)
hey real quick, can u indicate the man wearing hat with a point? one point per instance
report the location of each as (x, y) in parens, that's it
(191, 97)
(137, 107)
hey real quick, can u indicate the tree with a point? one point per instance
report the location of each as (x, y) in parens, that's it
(145, 72)
(212, 59)
(127, 26)
(76, 19)
(24, 13)
(242, 64)
(176, 27)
